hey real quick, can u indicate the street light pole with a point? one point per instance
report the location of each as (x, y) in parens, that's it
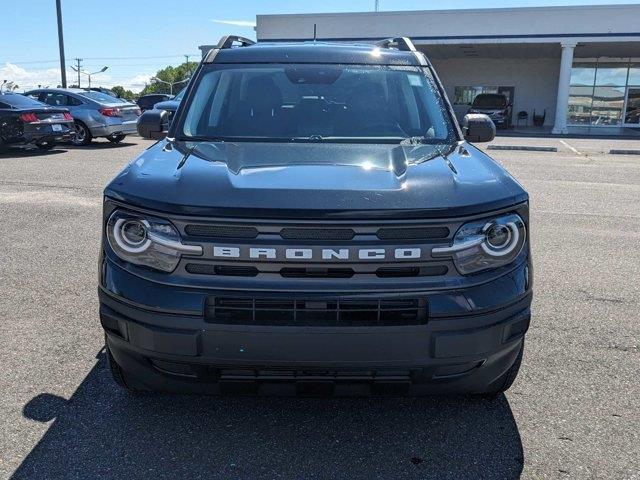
(63, 68)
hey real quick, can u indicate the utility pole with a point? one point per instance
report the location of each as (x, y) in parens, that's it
(63, 67)
(78, 68)
(377, 7)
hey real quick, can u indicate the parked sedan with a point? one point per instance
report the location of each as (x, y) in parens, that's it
(95, 113)
(24, 121)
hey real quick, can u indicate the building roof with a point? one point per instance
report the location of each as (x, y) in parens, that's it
(487, 25)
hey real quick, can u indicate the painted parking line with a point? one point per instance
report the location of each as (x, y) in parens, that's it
(524, 148)
(570, 147)
(615, 151)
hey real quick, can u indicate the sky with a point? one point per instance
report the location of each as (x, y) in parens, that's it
(136, 38)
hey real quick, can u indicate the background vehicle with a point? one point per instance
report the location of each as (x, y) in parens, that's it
(155, 123)
(495, 105)
(146, 102)
(316, 222)
(95, 114)
(27, 121)
(106, 91)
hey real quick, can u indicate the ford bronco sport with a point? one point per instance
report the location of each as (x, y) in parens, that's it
(316, 222)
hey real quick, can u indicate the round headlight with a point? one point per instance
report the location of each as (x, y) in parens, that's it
(133, 232)
(500, 238)
(131, 235)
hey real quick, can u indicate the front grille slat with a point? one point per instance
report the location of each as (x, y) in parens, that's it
(412, 233)
(220, 231)
(315, 312)
(317, 233)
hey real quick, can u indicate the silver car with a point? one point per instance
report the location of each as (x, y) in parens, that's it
(96, 114)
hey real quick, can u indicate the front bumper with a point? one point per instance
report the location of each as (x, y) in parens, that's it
(462, 348)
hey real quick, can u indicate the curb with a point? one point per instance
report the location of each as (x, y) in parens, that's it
(624, 152)
(522, 148)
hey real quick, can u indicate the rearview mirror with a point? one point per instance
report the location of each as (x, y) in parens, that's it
(478, 128)
(153, 124)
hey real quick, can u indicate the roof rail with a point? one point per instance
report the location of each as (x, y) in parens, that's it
(228, 41)
(400, 43)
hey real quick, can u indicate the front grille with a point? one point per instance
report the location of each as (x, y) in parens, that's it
(221, 231)
(421, 233)
(271, 250)
(317, 233)
(312, 312)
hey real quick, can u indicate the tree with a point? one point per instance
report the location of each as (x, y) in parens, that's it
(172, 75)
(121, 92)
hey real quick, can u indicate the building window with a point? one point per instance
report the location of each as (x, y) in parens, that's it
(465, 95)
(604, 93)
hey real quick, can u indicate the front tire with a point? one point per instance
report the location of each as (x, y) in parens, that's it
(116, 138)
(83, 135)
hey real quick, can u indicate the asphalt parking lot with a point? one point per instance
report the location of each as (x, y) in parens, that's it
(574, 411)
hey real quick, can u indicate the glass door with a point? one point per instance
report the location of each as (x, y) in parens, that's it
(632, 109)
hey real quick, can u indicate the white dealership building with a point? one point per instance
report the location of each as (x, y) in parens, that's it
(576, 68)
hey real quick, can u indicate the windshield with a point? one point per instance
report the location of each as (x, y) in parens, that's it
(316, 103)
(180, 94)
(490, 101)
(100, 97)
(20, 101)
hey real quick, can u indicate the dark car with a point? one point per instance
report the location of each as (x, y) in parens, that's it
(316, 222)
(24, 121)
(495, 105)
(146, 102)
(155, 123)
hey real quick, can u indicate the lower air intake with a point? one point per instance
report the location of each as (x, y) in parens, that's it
(311, 312)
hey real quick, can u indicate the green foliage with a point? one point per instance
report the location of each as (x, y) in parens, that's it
(121, 92)
(172, 75)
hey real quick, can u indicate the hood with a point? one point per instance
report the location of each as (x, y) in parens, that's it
(315, 180)
(167, 105)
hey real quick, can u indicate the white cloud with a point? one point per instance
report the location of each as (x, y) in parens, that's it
(26, 79)
(29, 79)
(237, 23)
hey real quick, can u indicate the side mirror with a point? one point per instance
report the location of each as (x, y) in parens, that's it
(478, 128)
(153, 124)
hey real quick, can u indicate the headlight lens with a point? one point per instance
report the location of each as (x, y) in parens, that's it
(485, 244)
(147, 241)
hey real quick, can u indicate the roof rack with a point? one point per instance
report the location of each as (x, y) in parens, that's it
(228, 41)
(224, 43)
(399, 43)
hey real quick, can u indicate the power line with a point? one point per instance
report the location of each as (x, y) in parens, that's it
(32, 62)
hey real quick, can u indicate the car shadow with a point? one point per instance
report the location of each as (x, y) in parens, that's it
(99, 145)
(101, 432)
(21, 152)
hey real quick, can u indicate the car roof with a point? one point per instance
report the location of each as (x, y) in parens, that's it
(61, 90)
(316, 52)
